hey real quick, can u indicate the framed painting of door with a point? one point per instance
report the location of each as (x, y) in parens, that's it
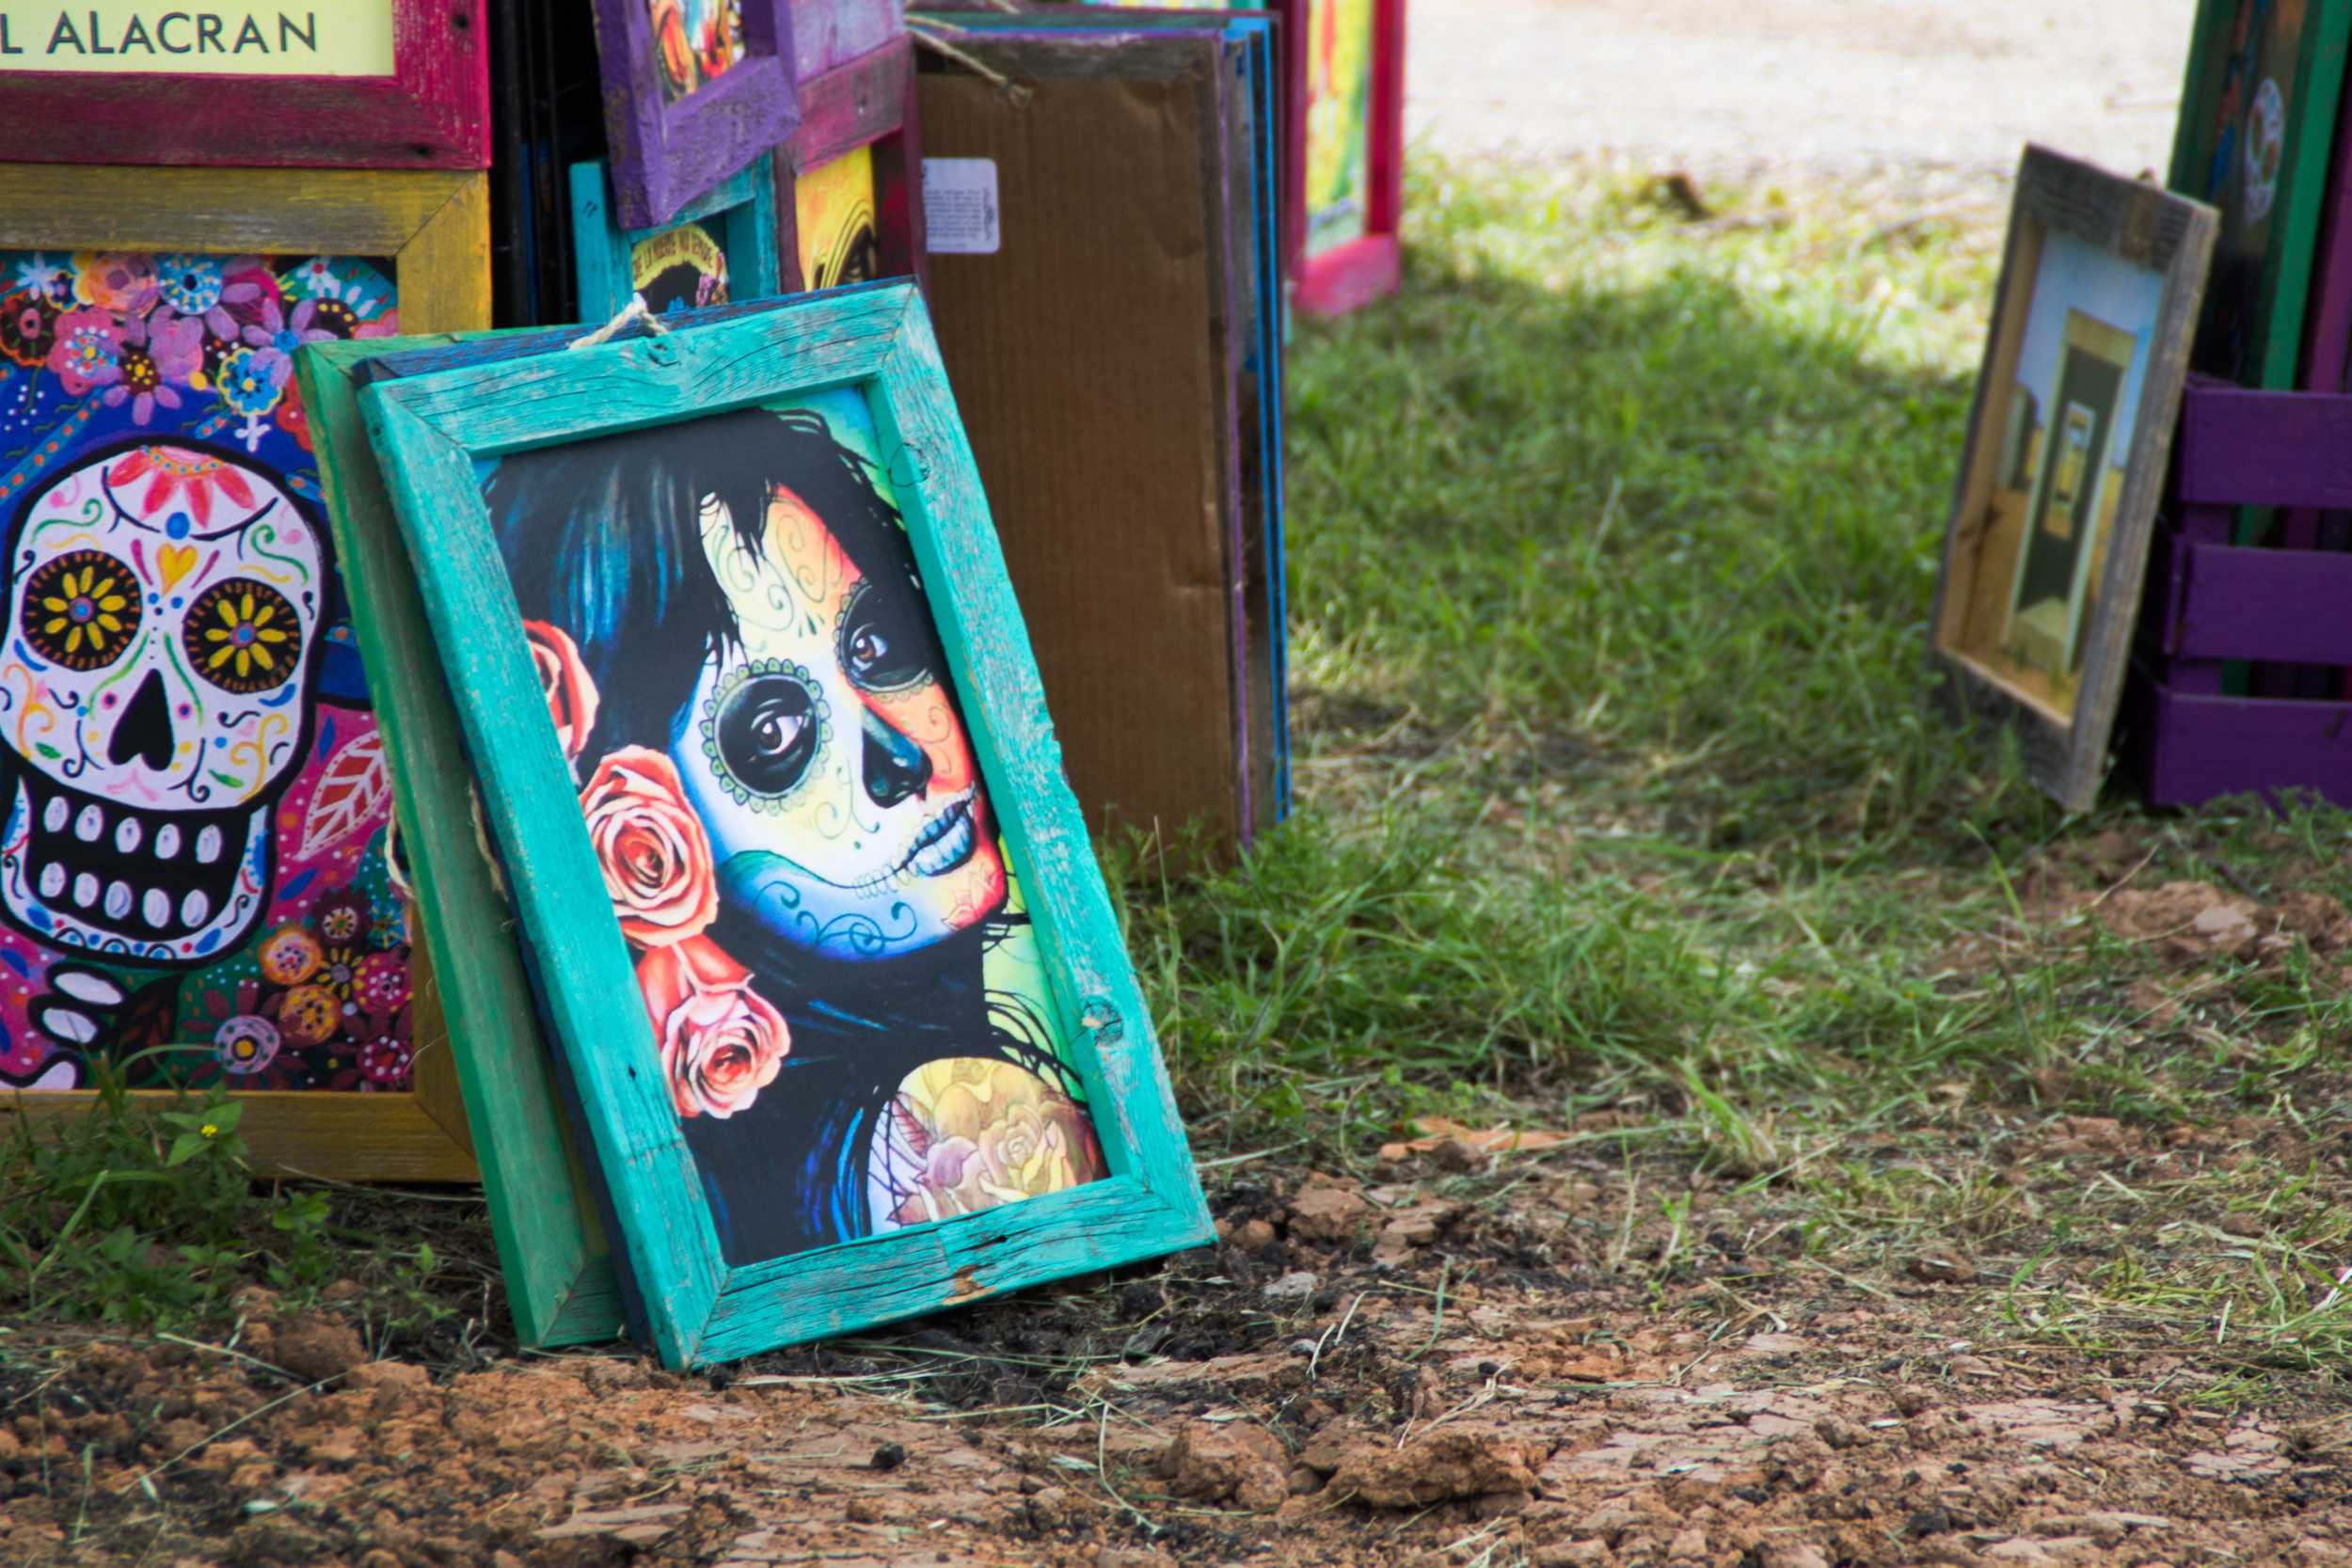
(722, 246)
(845, 184)
(694, 90)
(199, 883)
(371, 84)
(2056, 500)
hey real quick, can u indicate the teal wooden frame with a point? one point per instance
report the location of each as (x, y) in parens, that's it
(560, 1282)
(743, 204)
(430, 429)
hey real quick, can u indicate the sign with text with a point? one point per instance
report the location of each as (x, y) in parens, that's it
(341, 38)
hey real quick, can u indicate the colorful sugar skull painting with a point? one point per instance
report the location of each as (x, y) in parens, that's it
(695, 41)
(849, 1004)
(194, 880)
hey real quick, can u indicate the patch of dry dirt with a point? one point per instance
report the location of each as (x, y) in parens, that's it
(1460, 1366)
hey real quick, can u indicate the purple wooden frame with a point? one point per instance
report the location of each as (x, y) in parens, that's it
(432, 112)
(2210, 602)
(868, 101)
(664, 155)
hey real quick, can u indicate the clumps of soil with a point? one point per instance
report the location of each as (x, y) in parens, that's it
(1480, 1368)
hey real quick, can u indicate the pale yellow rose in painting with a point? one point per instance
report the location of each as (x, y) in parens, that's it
(990, 1133)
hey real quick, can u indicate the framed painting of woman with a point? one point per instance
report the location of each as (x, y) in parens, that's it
(821, 944)
(198, 886)
(694, 90)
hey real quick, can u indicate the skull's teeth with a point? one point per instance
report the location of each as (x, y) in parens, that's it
(118, 900)
(87, 826)
(54, 819)
(86, 890)
(208, 844)
(166, 841)
(127, 835)
(195, 907)
(51, 880)
(156, 907)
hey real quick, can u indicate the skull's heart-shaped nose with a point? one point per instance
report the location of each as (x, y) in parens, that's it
(144, 735)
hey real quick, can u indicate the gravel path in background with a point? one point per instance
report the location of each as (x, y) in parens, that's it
(1727, 87)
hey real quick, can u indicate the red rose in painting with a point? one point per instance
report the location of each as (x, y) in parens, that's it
(654, 854)
(721, 1041)
(571, 695)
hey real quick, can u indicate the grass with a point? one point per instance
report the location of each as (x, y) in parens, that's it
(1613, 542)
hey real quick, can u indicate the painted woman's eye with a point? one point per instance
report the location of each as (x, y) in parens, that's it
(882, 646)
(766, 733)
(243, 636)
(81, 610)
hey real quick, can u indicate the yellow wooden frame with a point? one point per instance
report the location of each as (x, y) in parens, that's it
(436, 227)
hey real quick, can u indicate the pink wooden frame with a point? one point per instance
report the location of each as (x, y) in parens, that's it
(1369, 268)
(433, 112)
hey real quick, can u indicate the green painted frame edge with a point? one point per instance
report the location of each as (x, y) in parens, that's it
(429, 430)
(560, 1285)
(2319, 72)
(744, 203)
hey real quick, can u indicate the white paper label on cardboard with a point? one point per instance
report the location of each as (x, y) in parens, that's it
(959, 207)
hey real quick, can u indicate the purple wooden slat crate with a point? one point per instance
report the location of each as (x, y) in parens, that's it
(2208, 600)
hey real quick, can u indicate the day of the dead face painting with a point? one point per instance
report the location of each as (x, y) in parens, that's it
(695, 41)
(197, 812)
(777, 777)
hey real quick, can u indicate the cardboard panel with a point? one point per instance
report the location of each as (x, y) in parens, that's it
(1085, 354)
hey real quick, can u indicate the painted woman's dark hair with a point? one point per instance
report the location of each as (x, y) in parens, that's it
(603, 539)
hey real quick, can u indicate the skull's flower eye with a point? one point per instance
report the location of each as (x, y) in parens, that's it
(81, 609)
(243, 636)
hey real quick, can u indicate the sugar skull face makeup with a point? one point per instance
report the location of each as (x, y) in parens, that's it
(162, 617)
(823, 753)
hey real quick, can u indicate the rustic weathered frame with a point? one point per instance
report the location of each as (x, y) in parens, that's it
(560, 1285)
(433, 112)
(2066, 755)
(866, 101)
(664, 155)
(435, 229)
(742, 208)
(431, 430)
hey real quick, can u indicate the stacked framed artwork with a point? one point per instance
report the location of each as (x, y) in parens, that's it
(845, 182)
(812, 1097)
(198, 882)
(721, 246)
(694, 90)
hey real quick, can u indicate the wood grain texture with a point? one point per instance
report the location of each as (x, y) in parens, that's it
(328, 211)
(554, 1256)
(743, 208)
(850, 104)
(432, 427)
(827, 33)
(433, 112)
(2136, 222)
(301, 1132)
(435, 227)
(664, 155)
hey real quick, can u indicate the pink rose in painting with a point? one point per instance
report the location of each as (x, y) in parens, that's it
(571, 695)
(655, 853)
(86, 351)
(721, 1041)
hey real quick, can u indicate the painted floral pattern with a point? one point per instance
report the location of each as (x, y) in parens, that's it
(175, 373)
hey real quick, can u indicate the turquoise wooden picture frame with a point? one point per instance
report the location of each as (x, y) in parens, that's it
(453, 442)
(560, 1282)
(736, 220)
